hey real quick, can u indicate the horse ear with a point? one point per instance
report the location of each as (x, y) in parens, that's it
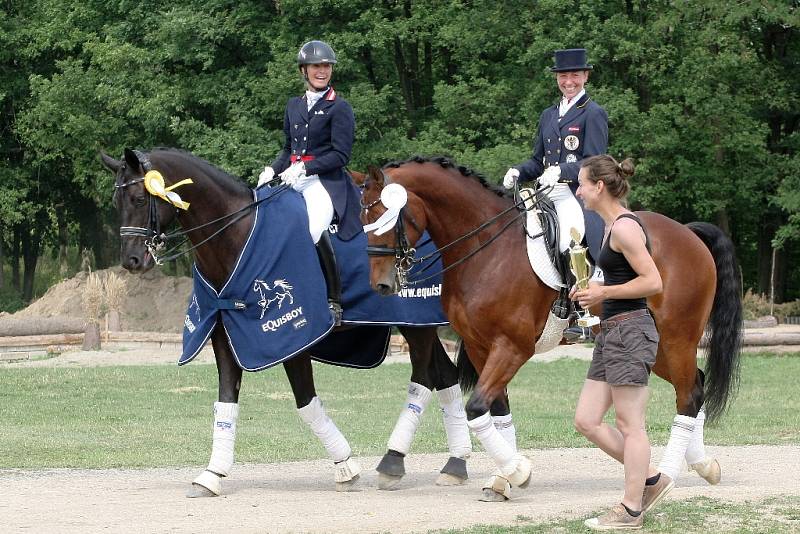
(375, 174)
(110, 163)
(132, 160)
(358, 177)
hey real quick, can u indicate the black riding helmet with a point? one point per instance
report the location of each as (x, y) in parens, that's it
(316, 52)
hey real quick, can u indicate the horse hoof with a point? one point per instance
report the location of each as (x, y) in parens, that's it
(453, 473)
(348, 485)
(388, 482)
(207, 484)
(489, 495)
(709, 469)
(446, 479)
(197, 491)
(521, 476)
(496, 489)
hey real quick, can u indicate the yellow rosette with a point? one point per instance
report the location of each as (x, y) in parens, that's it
(154, 183)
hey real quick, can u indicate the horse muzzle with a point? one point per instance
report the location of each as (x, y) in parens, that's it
(138, 263)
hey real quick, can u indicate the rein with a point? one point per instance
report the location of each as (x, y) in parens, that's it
(156, 241)
(404, 253)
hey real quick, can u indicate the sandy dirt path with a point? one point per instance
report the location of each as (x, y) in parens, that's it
(299, 496)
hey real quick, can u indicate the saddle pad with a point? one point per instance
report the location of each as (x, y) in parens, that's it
(416, 305)
(274, 304)
(570, 215)
(538, 256)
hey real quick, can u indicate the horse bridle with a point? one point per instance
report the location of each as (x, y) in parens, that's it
(403, 252)
(154, 240)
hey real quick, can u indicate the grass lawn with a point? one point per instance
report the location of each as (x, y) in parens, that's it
(700, 514)
(151, 416)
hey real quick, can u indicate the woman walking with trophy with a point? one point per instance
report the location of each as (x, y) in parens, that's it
(625, 349)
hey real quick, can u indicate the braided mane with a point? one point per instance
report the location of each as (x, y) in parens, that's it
(448, 163)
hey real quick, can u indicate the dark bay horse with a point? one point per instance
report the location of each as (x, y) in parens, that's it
(500, 307)
(213, 197)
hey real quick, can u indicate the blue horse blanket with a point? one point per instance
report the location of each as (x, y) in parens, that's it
(274, 304)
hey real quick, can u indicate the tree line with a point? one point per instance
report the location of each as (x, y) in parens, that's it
(702, 94)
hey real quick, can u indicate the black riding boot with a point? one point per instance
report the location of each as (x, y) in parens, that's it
(330, 270)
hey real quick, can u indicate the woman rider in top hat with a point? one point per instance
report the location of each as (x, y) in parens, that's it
(319, 127)
(569, 131)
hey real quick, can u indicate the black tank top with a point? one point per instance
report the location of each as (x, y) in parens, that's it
(618, 271)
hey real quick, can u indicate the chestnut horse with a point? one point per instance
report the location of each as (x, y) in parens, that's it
(217, 224)
(499, 306)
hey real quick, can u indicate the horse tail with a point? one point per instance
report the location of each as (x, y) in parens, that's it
(724, 324)
(467, 375)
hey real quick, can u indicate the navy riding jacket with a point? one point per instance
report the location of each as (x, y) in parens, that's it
(323, 138)
(565, 141)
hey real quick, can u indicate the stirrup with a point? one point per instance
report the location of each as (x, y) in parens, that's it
(336, 312)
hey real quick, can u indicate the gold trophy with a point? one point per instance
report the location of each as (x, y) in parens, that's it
(579, 266)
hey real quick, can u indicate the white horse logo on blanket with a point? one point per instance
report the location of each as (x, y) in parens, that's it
(280, 291)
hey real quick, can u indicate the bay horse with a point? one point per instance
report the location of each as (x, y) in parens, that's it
(499, 307)
(217, 223)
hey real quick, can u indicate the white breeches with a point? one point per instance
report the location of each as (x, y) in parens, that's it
(318, 205)
(569, 212)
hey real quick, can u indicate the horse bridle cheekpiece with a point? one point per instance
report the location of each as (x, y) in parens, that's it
(154, 183)
(394, 198)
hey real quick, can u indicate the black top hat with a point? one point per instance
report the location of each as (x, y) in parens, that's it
(570, 60)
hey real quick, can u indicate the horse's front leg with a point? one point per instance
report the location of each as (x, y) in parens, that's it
(426, 351)
(489, 417)
(226, 412)
(301, 378)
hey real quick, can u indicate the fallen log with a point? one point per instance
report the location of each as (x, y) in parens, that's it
(32, 326)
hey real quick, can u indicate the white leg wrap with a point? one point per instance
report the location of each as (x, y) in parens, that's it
(346, 470)
(496, 446)
(696, 451)
(334, 442)
(672, 461)
(505, 426)
(225, 415)
(407, 423)
(455, 422)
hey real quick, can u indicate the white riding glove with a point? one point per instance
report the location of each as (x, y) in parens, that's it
(550, 176)
(510, 178)
(293, 173)
(266, 175)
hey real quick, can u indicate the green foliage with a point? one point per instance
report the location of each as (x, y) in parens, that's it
(703, 95)
(10, 300)
(755, 306)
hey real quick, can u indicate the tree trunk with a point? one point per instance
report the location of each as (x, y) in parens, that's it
(114, 323)
(91, 338)
(2, 262)
(405, 85)
(30, 256)
(15, 253)
(63, 240)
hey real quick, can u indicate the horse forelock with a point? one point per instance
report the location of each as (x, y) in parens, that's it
(447, 163)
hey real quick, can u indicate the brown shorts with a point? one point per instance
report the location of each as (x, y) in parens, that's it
(625, 350)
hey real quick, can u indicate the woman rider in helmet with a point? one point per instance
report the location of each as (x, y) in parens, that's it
(319, 127)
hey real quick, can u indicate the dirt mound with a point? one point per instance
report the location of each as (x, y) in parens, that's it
(155, 302)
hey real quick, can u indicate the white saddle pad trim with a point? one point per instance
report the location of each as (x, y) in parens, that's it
(570, 216)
